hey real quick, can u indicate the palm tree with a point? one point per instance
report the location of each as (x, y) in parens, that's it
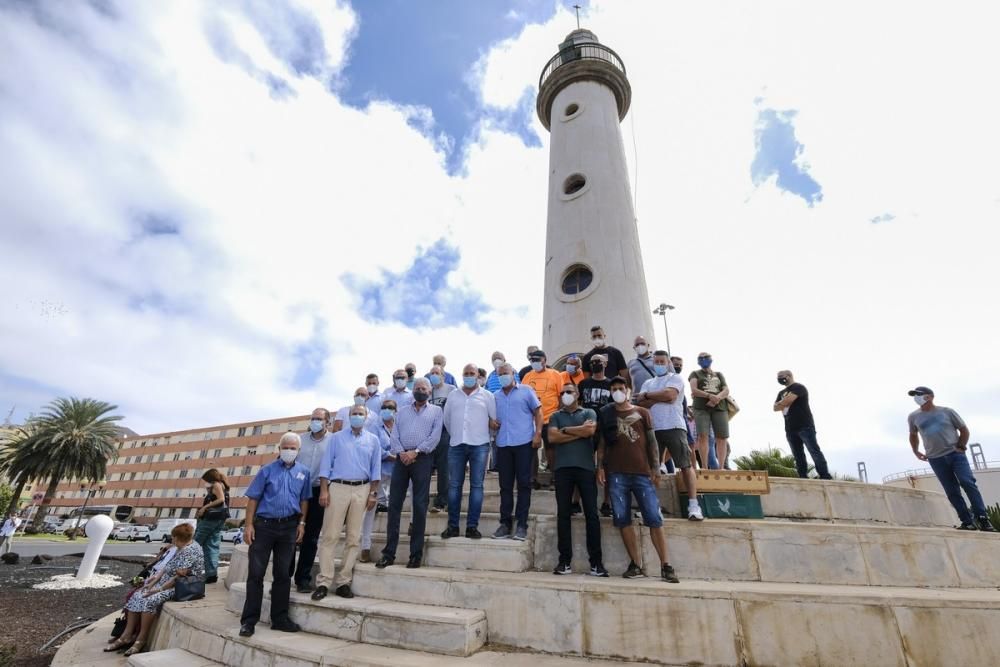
(16, 462)
(772, 459)
(75, 437)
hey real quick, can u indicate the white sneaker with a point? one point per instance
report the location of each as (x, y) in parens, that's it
(694, 512)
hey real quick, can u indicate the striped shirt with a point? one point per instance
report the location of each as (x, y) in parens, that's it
(417, 429)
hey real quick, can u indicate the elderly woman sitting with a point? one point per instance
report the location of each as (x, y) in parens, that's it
(145, 604)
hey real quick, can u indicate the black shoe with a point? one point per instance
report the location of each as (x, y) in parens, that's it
(575, 509)
(668, 575)
(450, 531)
(605, 509)
(633, 571)
(211, 580)
(381, 509)
(536, 486)
(409, 530)
(303, 588)
(384, 562)
(985, 525)
(502, 532)
(968, 525)
(563, 568)
(413, 563)
(473, 533)
(319, 593)
(285, 625)
(246, 630)
(344, 591)
(598, 571)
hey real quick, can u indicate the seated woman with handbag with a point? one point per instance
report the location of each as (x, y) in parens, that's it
(182, 578)
(153, 567)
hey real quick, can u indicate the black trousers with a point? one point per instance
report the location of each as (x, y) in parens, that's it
(441, 466)
(566, 480)
(277, 539)
(302, 574)
(418, 472)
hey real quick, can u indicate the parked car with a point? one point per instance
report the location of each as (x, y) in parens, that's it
(161, 531)
(233, 535)
(139, 534)
(121, 531)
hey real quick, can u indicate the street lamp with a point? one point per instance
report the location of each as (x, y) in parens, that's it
(662, 310)
(91, 492)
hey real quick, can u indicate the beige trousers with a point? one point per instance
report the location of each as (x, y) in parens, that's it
(347, 503)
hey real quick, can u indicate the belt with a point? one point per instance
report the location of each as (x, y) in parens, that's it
(287, 519)
(350, 482)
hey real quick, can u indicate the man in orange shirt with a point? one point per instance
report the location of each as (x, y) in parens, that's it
(547, 383)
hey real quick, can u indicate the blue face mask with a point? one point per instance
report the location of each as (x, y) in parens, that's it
(316, 425)
(571, 369)
(659, 369)
(357, 421)
(506, 380)
(536, 366)
(387, 414)
(705, 363)
(469, 382)
(435, 380)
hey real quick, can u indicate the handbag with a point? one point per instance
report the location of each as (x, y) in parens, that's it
(191, 587)
(216, 513)
(119, 627)
(731, 407)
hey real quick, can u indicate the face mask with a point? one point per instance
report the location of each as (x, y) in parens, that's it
(677, 368)
(357, 421)
(497, 363)
(409, 384)
(920, 399)
(536, 366)
(372, 389)
(435, 380)
(596, 368)
(288, 455)
(598, 341)
(705, 363)
(506, 380)
(316, 425)
(618, 396)
(641, 350)
(660, 369)
(359, 400)
(571, 369)
(399, 383)
(469, 381)
(387, 414)
(420, 396)
(782, 381)
(567, 399)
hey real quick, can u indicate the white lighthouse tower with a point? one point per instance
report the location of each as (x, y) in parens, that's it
(593, 266)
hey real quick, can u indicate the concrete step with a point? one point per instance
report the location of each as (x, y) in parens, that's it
(417, 627)
(206, 629)
(712, 623)
(171, 657)
(465, 554)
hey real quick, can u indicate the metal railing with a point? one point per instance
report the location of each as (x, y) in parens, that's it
(925, 472)
(583, 51)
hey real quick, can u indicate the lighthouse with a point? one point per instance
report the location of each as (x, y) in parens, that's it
(593, 265)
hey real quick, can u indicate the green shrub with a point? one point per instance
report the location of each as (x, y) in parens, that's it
(993, 512)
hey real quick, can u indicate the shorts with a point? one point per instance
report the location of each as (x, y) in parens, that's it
(675, 440)
(715, 419)
(620, 486)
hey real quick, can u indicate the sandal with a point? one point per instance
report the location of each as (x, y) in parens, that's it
(136, 648)
(118, 645)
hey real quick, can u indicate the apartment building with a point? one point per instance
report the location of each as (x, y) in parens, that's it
(159, 475)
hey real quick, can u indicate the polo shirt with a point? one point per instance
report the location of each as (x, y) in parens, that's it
(516, 414)
(279, 489)
(667, 415)
(577, 453)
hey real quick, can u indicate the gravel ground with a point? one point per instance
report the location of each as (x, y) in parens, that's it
(31, 617)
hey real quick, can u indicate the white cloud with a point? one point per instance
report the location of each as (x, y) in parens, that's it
(277, 197)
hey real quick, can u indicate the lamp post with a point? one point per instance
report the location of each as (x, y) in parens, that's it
(91, 492)
(662, 310)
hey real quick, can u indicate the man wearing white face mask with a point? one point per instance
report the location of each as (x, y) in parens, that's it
(615, 361)
(399, 392)
(311, 454)
(493, 379)
(374, 400)
(663, 396)
(640, 369)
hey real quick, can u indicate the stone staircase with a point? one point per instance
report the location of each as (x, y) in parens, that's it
(837, 573)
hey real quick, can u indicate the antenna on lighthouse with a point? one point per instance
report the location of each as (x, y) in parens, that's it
(577, 8)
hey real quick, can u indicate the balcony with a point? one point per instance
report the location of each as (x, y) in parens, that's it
(577, 52)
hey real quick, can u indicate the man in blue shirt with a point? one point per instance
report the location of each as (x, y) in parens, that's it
(276, 520)
(416, 434)
(519, 413)
(348, 486)
(312, 453)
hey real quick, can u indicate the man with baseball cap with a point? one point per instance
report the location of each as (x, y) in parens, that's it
(945, 438)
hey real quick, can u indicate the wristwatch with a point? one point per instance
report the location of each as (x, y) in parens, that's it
(302, 523)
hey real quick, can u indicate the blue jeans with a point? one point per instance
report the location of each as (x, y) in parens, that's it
(620, 486)
(419, 473)
(209, 535)
(713, 460)
(458, 456)
(801, 440)
(515, 462)
(953, 472)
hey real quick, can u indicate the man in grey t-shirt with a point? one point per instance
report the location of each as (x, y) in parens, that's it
(945, 438)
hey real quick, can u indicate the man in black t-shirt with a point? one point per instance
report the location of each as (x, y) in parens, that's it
(595, 391)
(614, 359)
(800, 430)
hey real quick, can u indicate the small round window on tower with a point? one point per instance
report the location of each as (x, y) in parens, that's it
(576, 279)
(574, 184)
(572, 109)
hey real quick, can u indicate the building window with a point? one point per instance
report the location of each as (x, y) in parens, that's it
(143, 444)
(125, 495)
(149, 493)
(230, 472)
(578, 278)
(184, 473)
(241, 432)
(236, 451)
(257, 429)
(246, 470)
(121, 476)
(203, 454)
(222, 433)
(572, 109)
(207, 436)
(156, 474)
(574, 184)
(217, 454)
(177, 457)
(252, 451)
(160, 457)
(131, 475)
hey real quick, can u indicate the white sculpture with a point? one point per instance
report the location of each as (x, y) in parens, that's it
(98, 529)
